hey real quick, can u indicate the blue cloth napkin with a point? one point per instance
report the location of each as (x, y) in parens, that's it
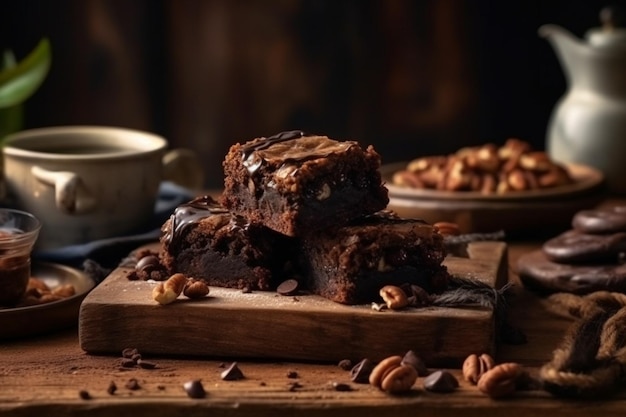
(109, 252)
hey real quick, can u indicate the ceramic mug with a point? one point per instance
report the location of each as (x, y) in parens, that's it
(87, 183)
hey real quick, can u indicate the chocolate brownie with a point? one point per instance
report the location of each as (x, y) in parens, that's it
(294, 182)
(204, 240)
(601, 220)
(576, 247)
(351, 263)
(539, 273)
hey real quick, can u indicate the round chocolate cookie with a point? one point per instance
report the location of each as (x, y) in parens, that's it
(601, 221)
(576, 247)
(537, 272)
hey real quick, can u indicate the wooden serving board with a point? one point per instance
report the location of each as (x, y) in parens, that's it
(120, 313)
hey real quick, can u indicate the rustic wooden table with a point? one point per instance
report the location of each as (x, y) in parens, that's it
(45, 376)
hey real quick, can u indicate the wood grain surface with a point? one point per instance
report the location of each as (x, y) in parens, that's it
(44, 375)
(265, 325)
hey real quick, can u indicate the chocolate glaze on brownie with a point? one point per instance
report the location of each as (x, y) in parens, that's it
(205, 241)
(350, 264)
(293, 182)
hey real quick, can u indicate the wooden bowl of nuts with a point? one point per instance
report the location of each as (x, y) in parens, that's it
(490, 188)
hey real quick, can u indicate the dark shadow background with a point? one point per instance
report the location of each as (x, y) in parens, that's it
(411, 77)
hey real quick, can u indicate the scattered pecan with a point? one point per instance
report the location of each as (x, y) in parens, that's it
(394, 297)
(391, 376)
(168, 291)
(501, 380)
(475, 366)
(195, 288)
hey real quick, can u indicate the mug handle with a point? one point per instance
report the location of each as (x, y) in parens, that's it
(182, 166)
(70, 194)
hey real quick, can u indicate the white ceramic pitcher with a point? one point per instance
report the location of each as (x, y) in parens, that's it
(588, 124)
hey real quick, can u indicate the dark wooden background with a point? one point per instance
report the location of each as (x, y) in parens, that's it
(411, 77)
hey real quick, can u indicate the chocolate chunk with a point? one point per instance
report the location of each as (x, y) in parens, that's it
(288, 287)
(127, 363)
(441, 381)
(132, 384)
(84, 394)
(411, 358)
(147, 264)
(111, 388)
(232, 373)
(146, 364)
(292, 374)
(194, 389)
(340, 386)
(129, 352)
(345, 364)
(360, 373)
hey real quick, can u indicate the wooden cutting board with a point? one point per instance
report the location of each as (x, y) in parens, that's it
(120, 313)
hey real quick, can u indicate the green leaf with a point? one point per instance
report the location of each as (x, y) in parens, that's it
(8, 60)
(19, 82)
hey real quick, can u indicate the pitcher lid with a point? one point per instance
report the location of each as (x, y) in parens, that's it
(612, 32)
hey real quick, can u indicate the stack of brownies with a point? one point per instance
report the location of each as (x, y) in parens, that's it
(305, 207)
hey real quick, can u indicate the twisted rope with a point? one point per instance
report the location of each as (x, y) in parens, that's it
(591, 359)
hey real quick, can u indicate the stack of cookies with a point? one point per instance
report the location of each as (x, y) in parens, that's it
(304, 207)
(587, 258)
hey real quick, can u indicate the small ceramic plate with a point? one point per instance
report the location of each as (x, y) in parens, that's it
(585, 178)
(49, 317)
(523, 213)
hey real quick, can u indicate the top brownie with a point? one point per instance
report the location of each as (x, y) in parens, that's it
(293, 182)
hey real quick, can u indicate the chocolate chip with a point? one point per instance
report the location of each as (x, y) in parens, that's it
(360, 373)
(345, 364)
(288, 287)
(440, 381)
(132, 384)
(294, 386)
(147, 264)
(411, 358)
(84, 394)
(146, 364)
(232, 373)
(128, 363)
(292, 374)
(129, 352)
(111, 388)
(194, 389)
(340, 386)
